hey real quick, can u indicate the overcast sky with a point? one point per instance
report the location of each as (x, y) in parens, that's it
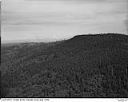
(58, 19)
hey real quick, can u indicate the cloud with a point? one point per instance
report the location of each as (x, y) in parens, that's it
(71, 1)
(59, 18)
(80, 1)
(126, 23)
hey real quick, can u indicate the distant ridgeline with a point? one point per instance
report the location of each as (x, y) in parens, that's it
(83, 66)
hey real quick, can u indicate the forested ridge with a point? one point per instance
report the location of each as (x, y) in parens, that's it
(83, 66)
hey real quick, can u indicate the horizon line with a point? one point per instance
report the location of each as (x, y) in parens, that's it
(48, 40)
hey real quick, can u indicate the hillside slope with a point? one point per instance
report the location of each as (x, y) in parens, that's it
(83, 66)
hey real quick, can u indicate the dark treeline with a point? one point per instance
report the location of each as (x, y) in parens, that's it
(83, 66)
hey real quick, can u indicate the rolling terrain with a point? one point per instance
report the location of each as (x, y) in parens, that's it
(83, 66)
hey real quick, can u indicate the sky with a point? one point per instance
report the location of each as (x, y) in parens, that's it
(50, 20)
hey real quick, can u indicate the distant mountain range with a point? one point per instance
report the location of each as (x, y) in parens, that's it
(83, 66)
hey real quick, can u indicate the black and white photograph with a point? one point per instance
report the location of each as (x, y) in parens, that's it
(64, 49)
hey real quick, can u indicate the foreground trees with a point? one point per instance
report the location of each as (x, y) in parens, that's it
(84, 66)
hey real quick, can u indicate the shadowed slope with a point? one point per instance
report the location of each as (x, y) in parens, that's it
(83, 66)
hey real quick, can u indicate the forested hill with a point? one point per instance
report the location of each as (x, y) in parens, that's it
(83, 66)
